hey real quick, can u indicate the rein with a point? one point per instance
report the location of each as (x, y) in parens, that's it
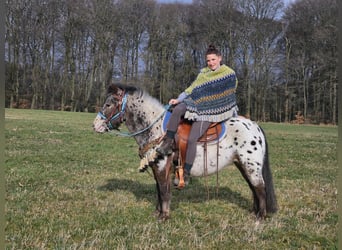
(139, 131)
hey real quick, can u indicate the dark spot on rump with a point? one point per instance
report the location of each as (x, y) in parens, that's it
(249, 152)
(253, 143)
(244, 124)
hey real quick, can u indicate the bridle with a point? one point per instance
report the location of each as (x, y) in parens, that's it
(118, 112)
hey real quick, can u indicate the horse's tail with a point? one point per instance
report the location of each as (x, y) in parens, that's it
(271, 200)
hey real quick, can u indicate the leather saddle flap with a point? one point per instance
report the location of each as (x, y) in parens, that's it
(212, 133)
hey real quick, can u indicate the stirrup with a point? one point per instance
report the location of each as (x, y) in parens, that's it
(183, 177)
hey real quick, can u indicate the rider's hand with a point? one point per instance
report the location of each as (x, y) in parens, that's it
(173, 102)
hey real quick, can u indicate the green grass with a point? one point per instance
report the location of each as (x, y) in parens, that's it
(70, 188)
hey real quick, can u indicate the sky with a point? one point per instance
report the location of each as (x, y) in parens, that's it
(286, 2)
(174, 1)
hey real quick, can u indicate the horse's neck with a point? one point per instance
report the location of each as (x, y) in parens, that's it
(143, 111)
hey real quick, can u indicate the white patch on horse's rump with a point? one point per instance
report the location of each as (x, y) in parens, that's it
(237, 143)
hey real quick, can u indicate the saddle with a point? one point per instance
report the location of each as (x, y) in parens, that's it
(149, 155)
(212, 134)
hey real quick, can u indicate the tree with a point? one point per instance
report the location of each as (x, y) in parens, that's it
(63, 54)
(311, 35)
(164, 40)
(260, 34)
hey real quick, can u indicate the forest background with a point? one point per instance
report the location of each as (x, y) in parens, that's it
(61, 55)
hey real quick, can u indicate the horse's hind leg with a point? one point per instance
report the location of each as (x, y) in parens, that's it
(261, 197)
(258, 190)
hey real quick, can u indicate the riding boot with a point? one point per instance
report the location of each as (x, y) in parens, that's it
(187, 169)
(166, 147)
(186, 177)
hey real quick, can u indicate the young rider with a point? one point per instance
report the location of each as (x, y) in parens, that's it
(210, 98)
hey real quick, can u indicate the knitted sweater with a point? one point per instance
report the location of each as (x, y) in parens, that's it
(211, 97)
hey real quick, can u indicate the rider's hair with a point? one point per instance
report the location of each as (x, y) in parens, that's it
(212, 50)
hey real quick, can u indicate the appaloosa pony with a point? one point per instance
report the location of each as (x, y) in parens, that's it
(240, 141)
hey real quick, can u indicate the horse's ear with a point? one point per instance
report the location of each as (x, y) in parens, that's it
(112, 89)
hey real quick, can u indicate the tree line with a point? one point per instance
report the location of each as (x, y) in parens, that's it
(61, 54)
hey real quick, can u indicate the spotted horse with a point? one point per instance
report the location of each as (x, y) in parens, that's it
(242, 143)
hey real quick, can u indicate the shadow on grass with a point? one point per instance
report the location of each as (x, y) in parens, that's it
(196, 192)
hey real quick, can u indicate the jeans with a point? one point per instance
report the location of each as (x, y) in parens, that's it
(198, 128)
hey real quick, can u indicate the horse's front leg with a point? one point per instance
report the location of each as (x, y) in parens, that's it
(161, 173)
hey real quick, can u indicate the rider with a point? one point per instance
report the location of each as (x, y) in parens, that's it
(210, 98)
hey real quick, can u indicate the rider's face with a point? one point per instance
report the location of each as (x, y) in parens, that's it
(213, 61)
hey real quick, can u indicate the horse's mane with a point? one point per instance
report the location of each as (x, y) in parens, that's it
(130, 89)
(114, 87)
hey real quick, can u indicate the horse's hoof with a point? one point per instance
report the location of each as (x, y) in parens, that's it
(260, 216)
(163, 218)
(156, 214)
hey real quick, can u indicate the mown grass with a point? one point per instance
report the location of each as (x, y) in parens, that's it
(70, 188)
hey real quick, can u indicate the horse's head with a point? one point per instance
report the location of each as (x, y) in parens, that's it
(112, 113)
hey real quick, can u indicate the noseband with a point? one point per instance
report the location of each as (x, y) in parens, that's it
(117, 112)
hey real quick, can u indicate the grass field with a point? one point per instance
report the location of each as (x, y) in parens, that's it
(70, 188)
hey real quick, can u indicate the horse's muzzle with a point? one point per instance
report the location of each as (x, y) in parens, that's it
(99, 125)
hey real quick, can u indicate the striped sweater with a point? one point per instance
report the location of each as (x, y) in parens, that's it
(211, 97)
